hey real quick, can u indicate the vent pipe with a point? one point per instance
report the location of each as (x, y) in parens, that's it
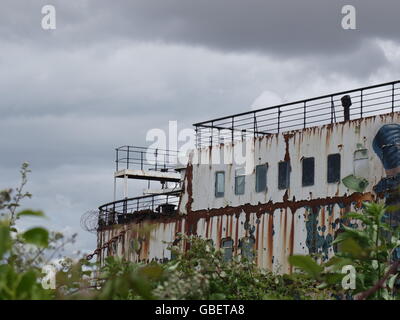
(346, 103)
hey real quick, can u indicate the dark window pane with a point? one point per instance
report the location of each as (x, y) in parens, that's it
(239, 184)
(261, 178)
(283, 175)
(334, 168)
(227, 245)
(247, 248)
(220, 184)
(308, 172)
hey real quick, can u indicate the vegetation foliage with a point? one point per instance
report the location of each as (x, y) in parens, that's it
(198, 273)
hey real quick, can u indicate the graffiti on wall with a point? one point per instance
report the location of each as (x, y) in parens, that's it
(386, 145)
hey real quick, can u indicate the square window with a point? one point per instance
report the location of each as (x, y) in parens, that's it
(246, 245)
(227, 246)
(219, 184)
(334, 168)
(261, 178)
(283, 175)
(239, 181)
(308, 172)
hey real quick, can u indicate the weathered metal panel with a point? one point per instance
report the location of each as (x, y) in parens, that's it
(300, 220)
(319, 142)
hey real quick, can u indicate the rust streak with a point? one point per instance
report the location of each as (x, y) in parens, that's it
(287, 137)
(270, 239)
(291, 241)
(236, 233)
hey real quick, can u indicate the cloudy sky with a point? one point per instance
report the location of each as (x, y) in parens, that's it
(112, 70)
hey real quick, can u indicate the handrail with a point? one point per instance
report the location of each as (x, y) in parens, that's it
(123, 211)
(298, 102)
(139, 198)
(132, 157)
(325, 109)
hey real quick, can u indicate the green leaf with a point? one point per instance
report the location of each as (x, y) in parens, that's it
(333, 278)
(358, 216)
(337, 263)
(392, 281)
(307, 264)
(5, 239)
(359, 236)
(141, 286)
(25, 286)
(151, 271)
(31, 213)
(353, 248)
(37, 236)
(323, 285)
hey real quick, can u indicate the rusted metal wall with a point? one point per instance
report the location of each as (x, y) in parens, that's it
(298, 220)
(278, 231)
(344, 138)
(140, 240)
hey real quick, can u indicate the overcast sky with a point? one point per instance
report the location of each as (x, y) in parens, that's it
(112, 70)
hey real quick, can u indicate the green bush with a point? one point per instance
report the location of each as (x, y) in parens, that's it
(370, 250)
(198, 273)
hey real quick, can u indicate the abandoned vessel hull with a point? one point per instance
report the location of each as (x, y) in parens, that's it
(328, 170)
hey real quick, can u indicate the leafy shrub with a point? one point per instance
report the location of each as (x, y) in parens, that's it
(370, 250)
(198, 273)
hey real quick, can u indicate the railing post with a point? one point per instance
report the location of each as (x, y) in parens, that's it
(116, 159)
(127, 159)
(196, 143)
(199, 138)
(233, 125)
(212, 133)
(332, 108)
(392, 97)
(156, 159)
(152, 203)
(305, 113)
(141, 160)
(361, 103)
(254, 125)
(279, 119)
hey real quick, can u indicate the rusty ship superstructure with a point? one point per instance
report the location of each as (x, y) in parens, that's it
(264, 184)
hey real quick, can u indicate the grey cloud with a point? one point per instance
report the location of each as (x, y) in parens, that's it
(283, 27)
(113, 70)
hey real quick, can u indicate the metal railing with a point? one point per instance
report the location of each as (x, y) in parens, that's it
(131, 157)
(123, 211)
(328, 109)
